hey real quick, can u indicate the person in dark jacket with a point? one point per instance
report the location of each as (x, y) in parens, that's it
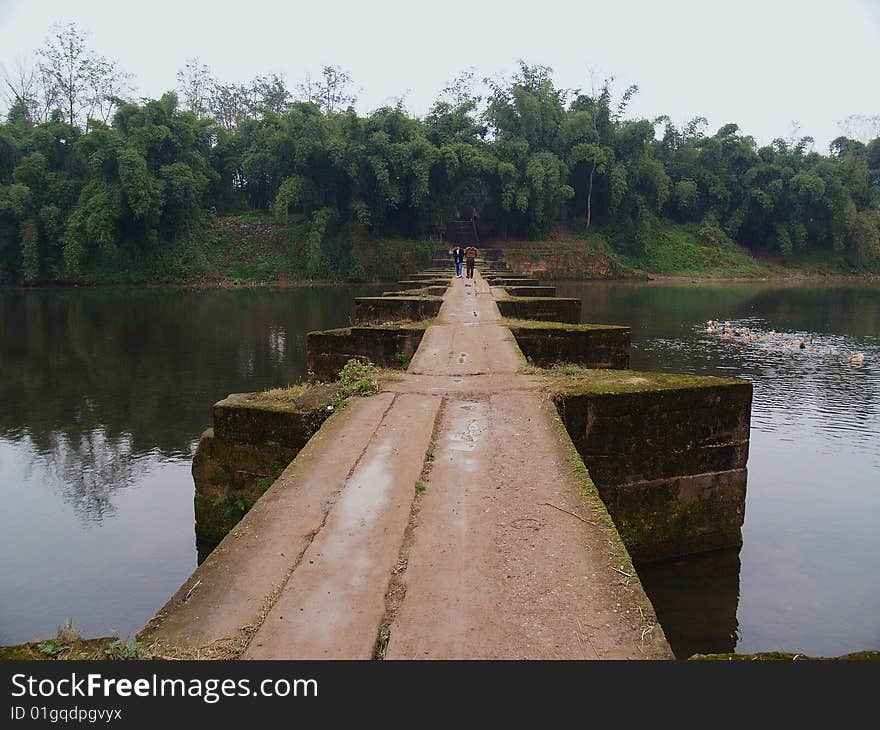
(458, 257)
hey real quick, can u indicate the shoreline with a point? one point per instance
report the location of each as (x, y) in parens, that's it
(792, 278)
(788, 277)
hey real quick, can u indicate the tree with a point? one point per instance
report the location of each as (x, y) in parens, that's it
(269, 94)
(861, 127)
(459, 91)
(80, 81)
(331, 93)
(23, 91)
(592, 143)
(76, 199)
(195, 82)
(228, 104)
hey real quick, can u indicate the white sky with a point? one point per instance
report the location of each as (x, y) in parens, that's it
(759, 63)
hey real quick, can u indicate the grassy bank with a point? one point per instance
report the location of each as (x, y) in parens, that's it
(672, 250)
(681, 250)
(254, 249)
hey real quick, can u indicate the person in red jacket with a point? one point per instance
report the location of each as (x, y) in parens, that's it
(470, 257)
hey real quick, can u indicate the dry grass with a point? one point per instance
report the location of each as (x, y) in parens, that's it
(288, 393)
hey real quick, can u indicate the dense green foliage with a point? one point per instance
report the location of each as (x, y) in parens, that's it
(130, 196)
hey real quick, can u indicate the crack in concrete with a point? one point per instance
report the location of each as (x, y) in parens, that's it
(396, 591)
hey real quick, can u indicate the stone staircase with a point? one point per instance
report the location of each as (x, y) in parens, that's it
(463, 233)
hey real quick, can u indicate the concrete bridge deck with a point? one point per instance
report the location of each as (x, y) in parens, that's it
(442, 518)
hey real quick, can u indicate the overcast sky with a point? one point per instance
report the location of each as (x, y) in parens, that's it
(759, 63)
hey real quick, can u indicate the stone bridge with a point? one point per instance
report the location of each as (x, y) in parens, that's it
(482, 504)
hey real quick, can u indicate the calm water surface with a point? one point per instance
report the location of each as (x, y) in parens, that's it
(104, 393)
(103, 396)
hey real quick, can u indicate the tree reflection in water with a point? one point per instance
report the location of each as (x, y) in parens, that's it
(103, 396)
(92, 381)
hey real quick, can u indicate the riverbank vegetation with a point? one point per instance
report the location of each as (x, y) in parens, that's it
(258, 181)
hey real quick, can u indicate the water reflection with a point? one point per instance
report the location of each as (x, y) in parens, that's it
(696, 601)
(103, 395)
(87, 471)
(804, 579)
(104, 392)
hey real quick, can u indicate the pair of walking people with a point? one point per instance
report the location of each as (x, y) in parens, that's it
(464, 255)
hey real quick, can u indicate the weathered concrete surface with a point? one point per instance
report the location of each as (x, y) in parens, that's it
(545, 309)
(497, 569)
(590, 345)
(492, 569)
(458, 344)
(668, 453)
(391, 309)
(328, 351)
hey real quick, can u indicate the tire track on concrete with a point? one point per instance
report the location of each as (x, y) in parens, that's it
(396, 592)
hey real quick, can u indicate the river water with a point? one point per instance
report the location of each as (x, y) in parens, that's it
(104, 393)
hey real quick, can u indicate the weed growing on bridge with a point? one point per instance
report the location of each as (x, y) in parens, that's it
(120, 650)
(358, 378)
(69, 644)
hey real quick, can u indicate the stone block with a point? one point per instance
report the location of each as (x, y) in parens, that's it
(667, 453)
(546, 309)
(386, 346)
(589, 345)
(391, 309)
(530, 291)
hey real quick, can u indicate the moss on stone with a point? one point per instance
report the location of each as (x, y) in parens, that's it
(571, 380)
(589, 346)
(546, 309)
(529, 291)
(422, 283)
(423, 292)
(534, 324)
(396, 325)
(666, 451)
(385, 309)
(618, 556)
(387, 344)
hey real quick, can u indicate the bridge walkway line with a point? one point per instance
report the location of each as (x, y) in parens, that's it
(443, 518)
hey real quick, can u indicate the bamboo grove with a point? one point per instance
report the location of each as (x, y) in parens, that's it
(77, 192)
